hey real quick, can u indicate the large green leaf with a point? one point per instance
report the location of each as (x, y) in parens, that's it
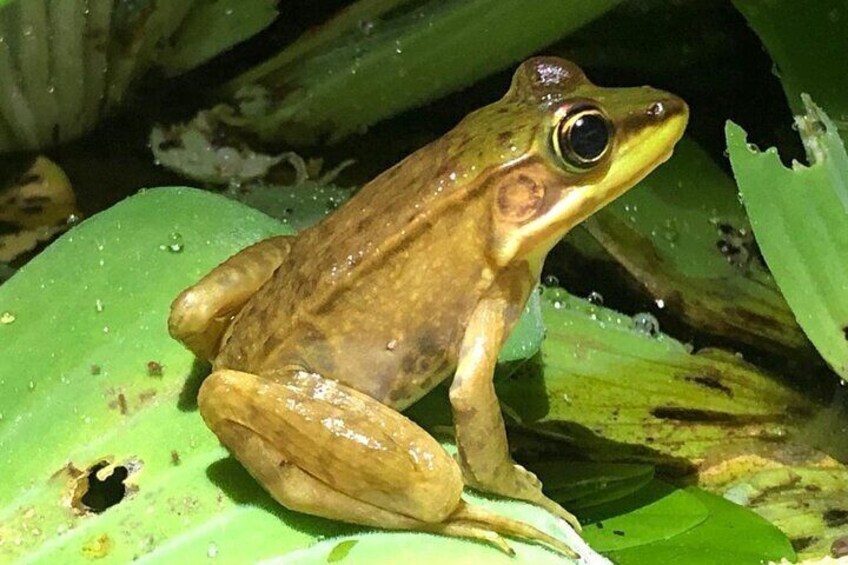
(65, 64)
(97, 400)
(730, 534)
(414, 53)
(683, 235)
(622, 391)
(781, 493)
(800, 218)
(82, 322)
(643, 518)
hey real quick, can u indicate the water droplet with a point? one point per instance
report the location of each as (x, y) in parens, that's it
(551, 280)
(175, 243)
(366, 27)
(558, 304)
(647, 324)
(670, 231)
(660, 303)
(7, 318)
(595, 298)
(31, 385)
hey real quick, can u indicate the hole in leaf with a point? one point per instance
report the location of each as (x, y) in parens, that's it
(102, 486)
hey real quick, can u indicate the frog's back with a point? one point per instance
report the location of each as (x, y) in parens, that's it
(378, 293)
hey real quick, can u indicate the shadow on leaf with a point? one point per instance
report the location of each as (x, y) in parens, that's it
(237, 484)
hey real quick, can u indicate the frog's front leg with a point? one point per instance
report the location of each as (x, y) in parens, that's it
(322, 448)
(202, 312)
(480, 433)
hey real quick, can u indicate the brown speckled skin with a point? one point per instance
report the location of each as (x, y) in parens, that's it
(377, 295)
(379, 307)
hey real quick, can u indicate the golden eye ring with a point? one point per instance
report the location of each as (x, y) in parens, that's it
(583, 137)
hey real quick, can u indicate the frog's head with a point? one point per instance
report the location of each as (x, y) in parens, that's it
(587, 145)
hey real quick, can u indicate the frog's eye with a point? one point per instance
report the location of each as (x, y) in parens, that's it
(582, 137)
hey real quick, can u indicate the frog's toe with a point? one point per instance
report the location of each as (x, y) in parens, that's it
(560, 512)
(478, 517)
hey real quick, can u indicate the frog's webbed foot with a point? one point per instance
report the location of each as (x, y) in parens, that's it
(322, 448)
(202, 312)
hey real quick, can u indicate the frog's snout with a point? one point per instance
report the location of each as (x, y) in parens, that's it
(666, 107)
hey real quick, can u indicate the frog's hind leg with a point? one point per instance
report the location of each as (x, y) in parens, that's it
(322, 448)
(202, 312)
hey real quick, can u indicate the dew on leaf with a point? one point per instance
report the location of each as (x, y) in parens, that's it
(175, 243)
(646, 323)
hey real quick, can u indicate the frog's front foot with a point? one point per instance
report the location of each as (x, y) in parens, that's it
(322, 448)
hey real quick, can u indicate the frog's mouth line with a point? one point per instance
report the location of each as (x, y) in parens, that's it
(665, 135)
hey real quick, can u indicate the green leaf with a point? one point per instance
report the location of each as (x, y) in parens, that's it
(731, 534)
(800, 218)
(655, 513)
(299, 205)
(782, 495)
(417, 549)
(214, 26)
(87, 316)
(582, 485)
(341, 550)
(683, 235)
(67, 64)
(622, 393)
(414, 53)
(81, 406)
(526, 338)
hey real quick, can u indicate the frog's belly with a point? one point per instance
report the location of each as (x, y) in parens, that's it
(394, 367)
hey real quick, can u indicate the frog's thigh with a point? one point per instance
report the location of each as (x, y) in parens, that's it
(480, 432)
(200, 314)
(298, 490)
(322, 448)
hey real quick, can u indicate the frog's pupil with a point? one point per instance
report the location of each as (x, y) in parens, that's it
(588, 137)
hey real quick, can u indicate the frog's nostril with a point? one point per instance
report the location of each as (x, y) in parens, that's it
(667, 107)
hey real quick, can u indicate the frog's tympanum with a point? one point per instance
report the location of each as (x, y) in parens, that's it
(319, 340)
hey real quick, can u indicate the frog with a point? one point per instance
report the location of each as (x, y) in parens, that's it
(318, 341)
